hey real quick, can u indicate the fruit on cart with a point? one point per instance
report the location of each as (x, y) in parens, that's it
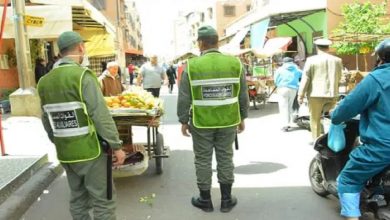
(135, 98)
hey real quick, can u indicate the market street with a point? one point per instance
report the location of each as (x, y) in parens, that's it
(271, 178)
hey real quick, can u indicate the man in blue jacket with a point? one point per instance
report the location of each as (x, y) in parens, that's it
(370, 99)
(287, 79)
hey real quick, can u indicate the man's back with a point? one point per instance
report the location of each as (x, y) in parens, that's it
(323, 73)
(152, 75)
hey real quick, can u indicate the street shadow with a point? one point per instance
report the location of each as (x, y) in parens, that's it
(264, 110)
(175, 169)
(259, 168)
(296, 129)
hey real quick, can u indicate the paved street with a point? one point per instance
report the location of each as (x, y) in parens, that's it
(271, 178)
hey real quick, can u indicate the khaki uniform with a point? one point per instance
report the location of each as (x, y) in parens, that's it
(320, 83)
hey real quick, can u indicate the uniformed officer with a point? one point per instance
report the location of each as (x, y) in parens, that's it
(320, 83)
(212, 105)
(74, 115)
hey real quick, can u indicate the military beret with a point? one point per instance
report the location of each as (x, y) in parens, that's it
(67, 39)
(206, 31)
(322, 42)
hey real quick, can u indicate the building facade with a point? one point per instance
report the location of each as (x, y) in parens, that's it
(124, 15)
(218, 13)
(132, 35)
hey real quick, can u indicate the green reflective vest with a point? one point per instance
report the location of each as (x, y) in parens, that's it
(215, 85)
(61, 96)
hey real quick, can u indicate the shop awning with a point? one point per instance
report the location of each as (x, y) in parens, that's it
(277, 43)
(273, 46)
(57, 19)
(134, 51)
(83, 13)
(279, 12)
(98, 42)
(233, 46)
(186, 55)
(258, 33)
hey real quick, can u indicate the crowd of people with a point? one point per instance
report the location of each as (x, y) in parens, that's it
(212, 107)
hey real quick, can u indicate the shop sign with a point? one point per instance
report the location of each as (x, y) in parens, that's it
(33, 21)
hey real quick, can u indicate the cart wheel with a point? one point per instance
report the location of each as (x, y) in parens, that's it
(158, 150)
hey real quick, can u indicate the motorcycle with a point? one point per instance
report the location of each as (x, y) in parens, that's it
(256, 97)
(327, 165)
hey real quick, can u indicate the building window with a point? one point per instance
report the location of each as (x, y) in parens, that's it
(248, 7)
(99, 4)
(229, 10)
(202, 17)
(210, 11)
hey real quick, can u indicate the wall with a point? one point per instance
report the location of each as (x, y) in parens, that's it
(182, 37)
(317, 20)
(9, 77)
(222, 20)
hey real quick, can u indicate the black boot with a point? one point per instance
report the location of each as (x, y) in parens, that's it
(227, 200)
(203, 201)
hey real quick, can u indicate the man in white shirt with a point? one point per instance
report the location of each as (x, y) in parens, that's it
(151, 74)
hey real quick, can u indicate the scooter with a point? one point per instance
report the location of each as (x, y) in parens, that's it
(303, 117)
(327, 165)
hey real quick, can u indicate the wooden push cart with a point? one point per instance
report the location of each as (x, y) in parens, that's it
(155, 141)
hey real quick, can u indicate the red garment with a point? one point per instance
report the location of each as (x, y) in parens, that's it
(131, 68)
(180, 70)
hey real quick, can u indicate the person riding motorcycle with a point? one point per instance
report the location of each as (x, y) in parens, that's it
(370, 99)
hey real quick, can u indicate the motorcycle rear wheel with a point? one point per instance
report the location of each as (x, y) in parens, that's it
(316, 178)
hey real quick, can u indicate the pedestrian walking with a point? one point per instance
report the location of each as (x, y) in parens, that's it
(51, 63)
(371, 100)
(287, 79)
(40, 69)
(110, 81)
(171, 74)
(151, 75)
(131, 69)
(320, 83)
(75, 117)
(214, 86)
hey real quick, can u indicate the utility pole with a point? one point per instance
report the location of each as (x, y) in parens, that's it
(22, 45)
(119, 39)
(24, 101)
